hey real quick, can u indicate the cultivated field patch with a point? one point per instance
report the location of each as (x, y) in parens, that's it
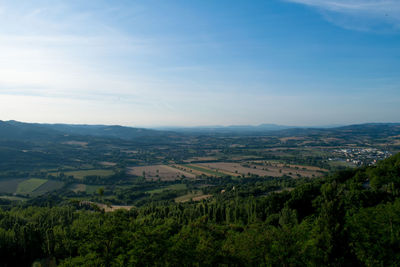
(290, 138)
(235, 168)
(194, 159)
(108, 163)
(76, 143)
(196, 195)
(202, 197)
(171, 187)
(10, 186)
(48, 186)
(263, 169)
(163, 172)
(92, 189)
(30, 185)
(185, 168)
(83, 173)
(204, 170)
(78, 188)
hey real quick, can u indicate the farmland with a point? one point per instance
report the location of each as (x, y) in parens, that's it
(194, 171)
(263, 169)
(88, 189)
(91, 189)
(80, 174)
(171, 187)
(194, 196)
(163, 172)
(30, 185)
(78, 188)
(10, 186)
(137, 171)
(48, 186)
(204, 170)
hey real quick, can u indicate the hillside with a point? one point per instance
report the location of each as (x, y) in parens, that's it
(351, 218)
(13, 130)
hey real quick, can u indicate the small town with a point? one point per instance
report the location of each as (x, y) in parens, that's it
(360, 156)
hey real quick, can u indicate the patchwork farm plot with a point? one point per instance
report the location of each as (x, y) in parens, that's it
(9, 186)
(261, 168)
(78, 188)
(236, 169)
(221, 169)
(200, 170)
(48, 186)
(171, 187)
(163, 172)
(186, 168)
(32, 186)
(80, 174)
(92, 189)
(196, 195)
(89, 189)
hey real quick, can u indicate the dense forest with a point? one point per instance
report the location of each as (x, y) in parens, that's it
(350, 218)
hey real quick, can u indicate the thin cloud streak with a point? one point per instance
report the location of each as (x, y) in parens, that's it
(371, 6)
(360, 15)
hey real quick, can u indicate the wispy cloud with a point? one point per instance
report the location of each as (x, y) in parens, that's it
(41, 55)
(364, 15)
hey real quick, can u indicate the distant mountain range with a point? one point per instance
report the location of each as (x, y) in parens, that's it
(14, 130)
(228, 129)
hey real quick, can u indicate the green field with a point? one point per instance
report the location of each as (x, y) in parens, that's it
(341, 164)
(89, 189)
(10, 186)
(78, 188)
(50, 185)
(33, 186)
(30, 185)
(211, 172)
(171, 187)
(92, 189)
(83, 173)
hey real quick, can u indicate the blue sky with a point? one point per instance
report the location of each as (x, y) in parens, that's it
(190, 63)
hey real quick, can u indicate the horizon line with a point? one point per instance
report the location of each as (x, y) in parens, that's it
(160, 127)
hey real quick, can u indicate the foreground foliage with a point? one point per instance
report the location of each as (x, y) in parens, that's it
(349, 219)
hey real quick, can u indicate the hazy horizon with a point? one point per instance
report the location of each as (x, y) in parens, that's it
(200, 63)
(166, 127)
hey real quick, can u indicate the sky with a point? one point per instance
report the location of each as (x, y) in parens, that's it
(196, 63)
